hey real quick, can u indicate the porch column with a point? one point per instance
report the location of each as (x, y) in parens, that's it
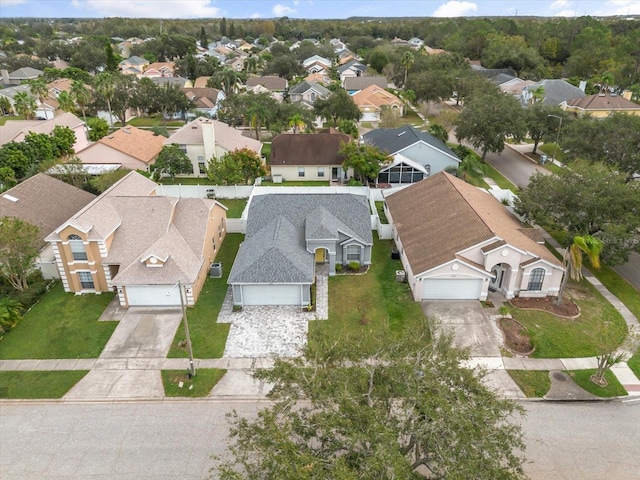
(332, 264)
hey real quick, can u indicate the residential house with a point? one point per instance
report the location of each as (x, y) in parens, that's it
(515, 87)
(201, 82)
(204, 139)
(236, 64)
(159, 69)
(10, 92)
(373, 99)
(321, 78)
(601, 105)
(556, 92)
(416, 42)
(416, 155)
(308, 93)
(316, 63)
(287, 235)
(270, 82)
(178, 81)
(337, 44)
(457, 242)
(152, 250)
(133, 65)
(206, 100)
(132, 148)
(309, 156)
(20, 75)
(355, 84)
(352, 68)
(45, 202)
(17, 130)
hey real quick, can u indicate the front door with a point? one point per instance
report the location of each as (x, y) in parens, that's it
(334, 173)
(321, 255)
(498, 276)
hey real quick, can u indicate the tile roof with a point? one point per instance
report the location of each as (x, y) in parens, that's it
(307, 148)
(227, 137)
(274, 250)
(452, 217)
(140, 144)
(43, 201)
(394, 140)
(603, 101)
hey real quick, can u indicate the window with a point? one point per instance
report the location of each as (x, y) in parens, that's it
(301, 171)
(86, 280)
(353, 253)
(220, 229)
(320, 171)
(535, 279)
(214, 245)
(202, 168)
(313, 97)
(77, 247)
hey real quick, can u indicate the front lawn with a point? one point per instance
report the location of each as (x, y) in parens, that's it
(297, 183)
(60, 325)
(154, 121)
(208, 337)
(555, 337)
(235, 205)
(613, 389)
(533, 383)
(634, 363)
(373, 301)
(45, 384)
(198, 386)
(186, 181)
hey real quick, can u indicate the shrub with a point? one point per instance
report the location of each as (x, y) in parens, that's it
(354, 266)
(503, 310)
(338, 267)
(30, 296)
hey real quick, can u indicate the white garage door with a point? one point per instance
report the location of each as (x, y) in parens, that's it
(152, 295)
(452, 289)
(271, 294)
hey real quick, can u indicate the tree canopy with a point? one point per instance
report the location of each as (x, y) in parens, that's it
(338, 106)
(239, 166)
(19, 244)
(171, 161)
(365, 160)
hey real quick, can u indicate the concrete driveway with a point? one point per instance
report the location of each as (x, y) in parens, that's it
(469, 323)
(129, 365)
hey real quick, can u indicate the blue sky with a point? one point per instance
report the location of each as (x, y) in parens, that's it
(312, 8)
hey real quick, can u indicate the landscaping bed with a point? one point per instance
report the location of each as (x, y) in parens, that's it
(516, 337)
(567, 309)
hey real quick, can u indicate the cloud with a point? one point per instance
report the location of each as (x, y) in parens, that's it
(560, 4)
(280, 10)
(149, 8)
(455, 9)
(620, 7)
(11, 3)
(565, 13)
(256, 15)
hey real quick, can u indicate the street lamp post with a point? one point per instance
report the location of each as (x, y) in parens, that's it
(557, 135)
(192, 369)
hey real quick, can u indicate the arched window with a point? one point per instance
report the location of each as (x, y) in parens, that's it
(536, 278)
(77, 247)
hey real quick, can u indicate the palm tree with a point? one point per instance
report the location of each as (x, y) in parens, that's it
(66, 102)
(39, 88)
(296, 123)
(251, 64)
(606, 80)
(537, 94)
(81, 95)
(5, 106)
(10, 314)
(226, 79)
(407, 62)
(24, 105)
(572, 259)
(105, 86)
(470, 165)
(257, 114)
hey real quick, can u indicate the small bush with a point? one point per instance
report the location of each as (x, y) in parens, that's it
(503, 310)
(237, 308)
(354, 266)
(338, 267)
(29, 297)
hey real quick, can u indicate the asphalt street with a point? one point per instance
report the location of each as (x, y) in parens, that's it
(174, 439)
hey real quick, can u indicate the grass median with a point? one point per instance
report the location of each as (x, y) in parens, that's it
(40, 384)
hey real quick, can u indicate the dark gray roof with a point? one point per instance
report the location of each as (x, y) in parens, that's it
(557, 91)
(393, 140)
(360, 83)
(304, 86)
(25, 73)
(353, 63)
(278, 226)
(502, 78)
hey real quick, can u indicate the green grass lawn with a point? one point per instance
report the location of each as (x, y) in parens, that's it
(46, 384)
(384, 301)
(634, 363)
(411, 118)
(500, 179)
(235, 205)
(381, 214)
(533, 383)
(60, 325)
(548, 149)
(186, 181)
(154, 121)
(266, 152)
(4, 118)
(555, 337)
(613, 389)
(198, 386)
(297, 183)
(208, 337)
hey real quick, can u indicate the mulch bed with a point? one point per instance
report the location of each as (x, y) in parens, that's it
(567, 308)
(516, 338)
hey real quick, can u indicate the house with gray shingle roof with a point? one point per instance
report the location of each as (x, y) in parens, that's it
(416, 154)
(140, 244)
(556, 92)
(308, 93)
(287, 235)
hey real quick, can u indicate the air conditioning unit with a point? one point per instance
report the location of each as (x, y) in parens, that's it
(401, 276)
(215, 271)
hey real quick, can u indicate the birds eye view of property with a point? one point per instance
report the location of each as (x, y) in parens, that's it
(319, 239)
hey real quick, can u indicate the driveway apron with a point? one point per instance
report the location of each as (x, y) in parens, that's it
(129, 366)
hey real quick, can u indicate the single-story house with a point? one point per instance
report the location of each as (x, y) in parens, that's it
(373, 99)
(355, 84)
(601, 105)
(556, 92)
(270, 82)
(17, 130)
(309, 156)
(152, 250)
(457, 242)
(203, 139)
(287, 234)
(133, 65)
(206, 100)
(416, 154)
(131, 147)
(20, 75)
(45, 202)
(159, 69)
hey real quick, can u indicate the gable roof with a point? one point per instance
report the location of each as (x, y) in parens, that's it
(304, 86)
(360, 83)
(452, 217)
(353, 65)
(308, 148)
(140, 144)
(375, 96)
(228, 137)
(274, 249)
(557, 91)
(270, 82)
(316, 59)
(603, 101)
(135, 60)
(201, 82)
(25, 73)
(43, 201)
(394, 140)
(202, 97)
(13, 128)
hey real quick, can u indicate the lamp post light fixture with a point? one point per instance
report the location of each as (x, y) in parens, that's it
(192, 369)
(553, 158)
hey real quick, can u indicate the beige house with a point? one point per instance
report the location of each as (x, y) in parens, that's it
(141, 245)
(601, 105)
(373, 99)
(17, 130)
(130, 147)
(45, 202)
(204, 139)
(458, 242)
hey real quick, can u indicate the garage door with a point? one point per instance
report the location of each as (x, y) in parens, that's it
(152, 295)
(271, 294)
(452, 289)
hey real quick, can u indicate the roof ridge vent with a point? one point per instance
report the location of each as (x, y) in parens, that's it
(402, 133)
(277, 229)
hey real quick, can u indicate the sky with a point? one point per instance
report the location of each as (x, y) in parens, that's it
(313, 8)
